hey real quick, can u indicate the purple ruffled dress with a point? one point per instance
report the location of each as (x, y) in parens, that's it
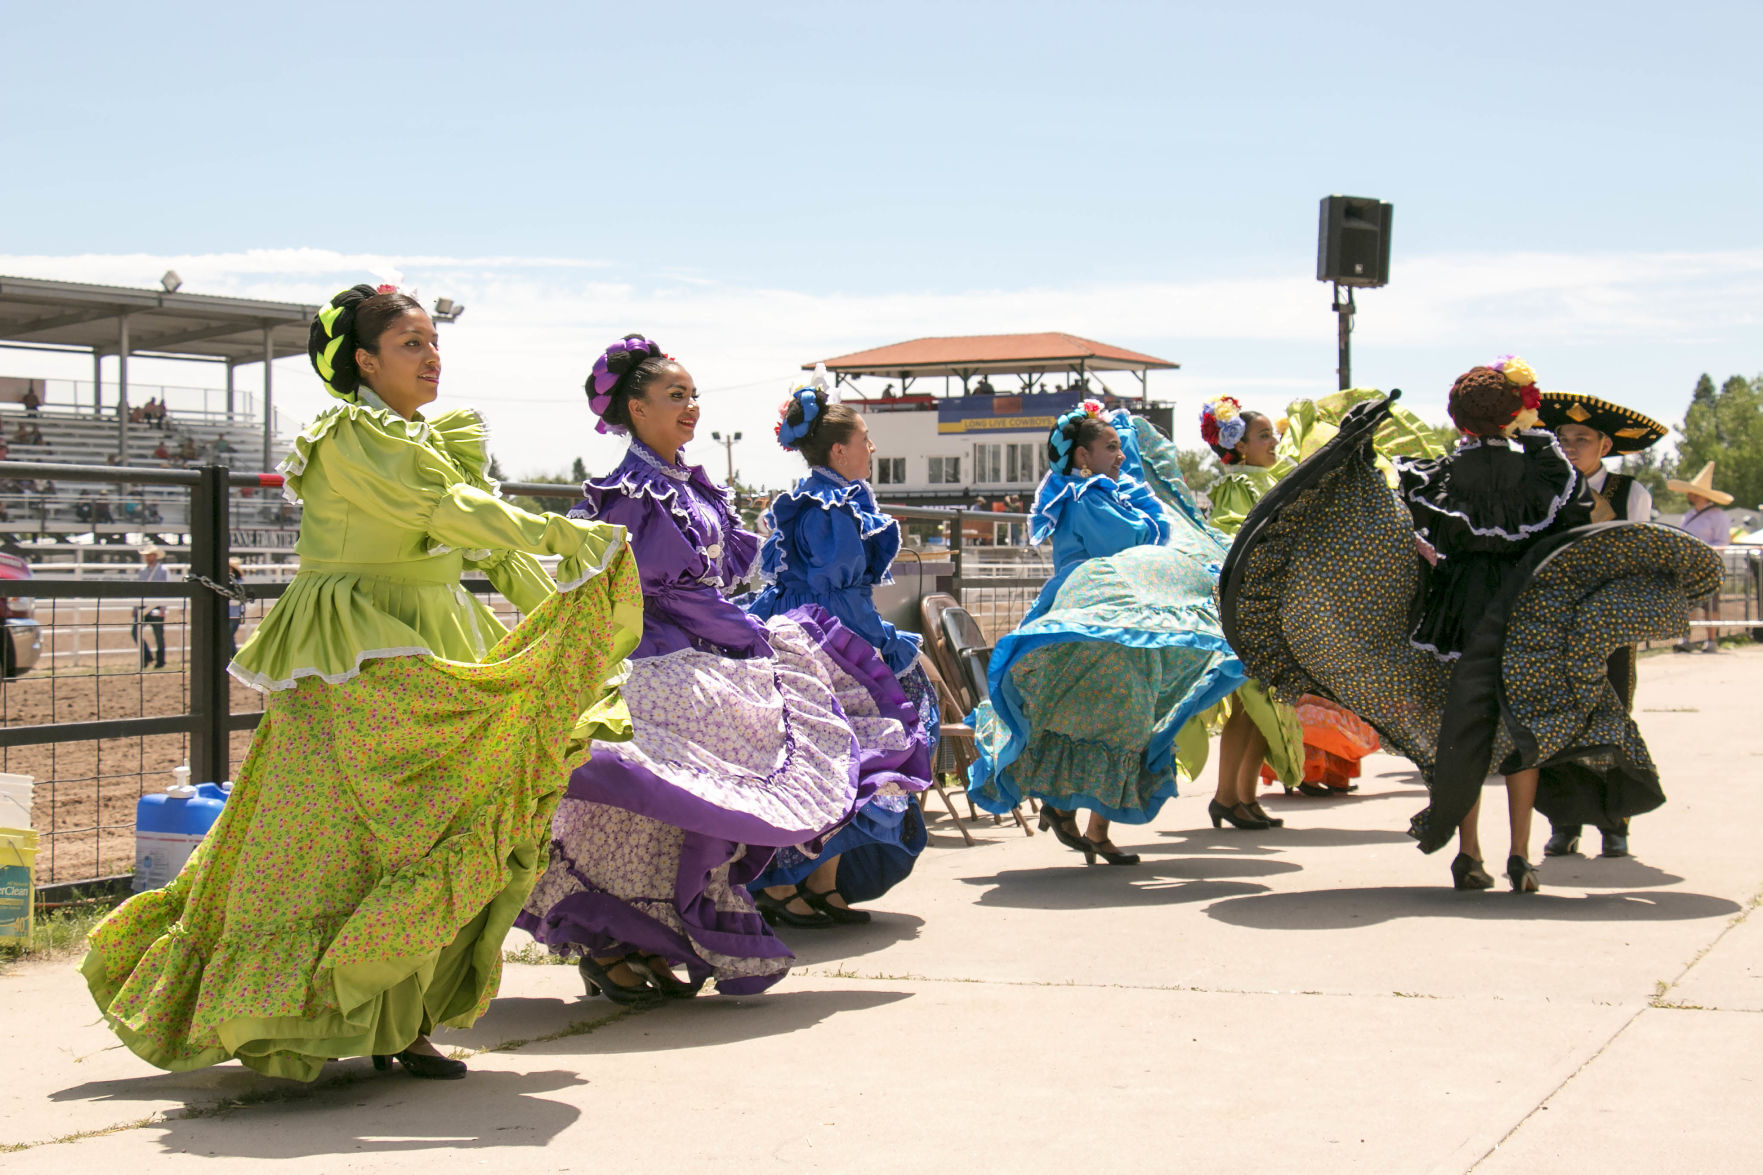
(748, 736)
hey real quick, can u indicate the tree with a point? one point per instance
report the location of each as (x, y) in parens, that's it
(1199, 468)
(1652, 468)
(1726, 427)
(556, 505)
(579, 470)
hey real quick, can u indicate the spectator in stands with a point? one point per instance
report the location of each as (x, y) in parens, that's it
(160, 452)
(160, 415)
(22, 435)
(132, 510)
(30, 400)
(112, 459)
(35, 436)
(101, 512)
(151, 617)
(4, 448)
(187, 450)
(82, 509)
(150, 510)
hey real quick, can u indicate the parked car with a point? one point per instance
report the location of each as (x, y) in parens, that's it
(23, 639)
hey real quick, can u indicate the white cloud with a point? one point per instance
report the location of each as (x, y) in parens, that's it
(1625, 323)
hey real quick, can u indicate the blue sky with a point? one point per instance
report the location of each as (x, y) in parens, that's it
(766, 184)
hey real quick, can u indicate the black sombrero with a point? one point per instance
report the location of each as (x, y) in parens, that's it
(1628, 430)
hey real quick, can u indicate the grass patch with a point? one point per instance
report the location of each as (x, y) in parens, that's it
(60, 931)
(534, 955)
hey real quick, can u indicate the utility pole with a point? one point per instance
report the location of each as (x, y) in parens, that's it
(728, 451)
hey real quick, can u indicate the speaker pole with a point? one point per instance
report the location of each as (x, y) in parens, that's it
(1345, 312)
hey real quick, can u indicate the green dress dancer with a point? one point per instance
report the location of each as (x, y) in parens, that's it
(395, 805)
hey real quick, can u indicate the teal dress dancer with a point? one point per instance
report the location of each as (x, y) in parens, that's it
(1090, 694)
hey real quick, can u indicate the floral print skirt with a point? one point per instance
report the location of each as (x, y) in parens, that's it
(730, 760)
(380, 838)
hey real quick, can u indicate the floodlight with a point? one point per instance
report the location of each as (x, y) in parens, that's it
(171, 281)
(447, 310)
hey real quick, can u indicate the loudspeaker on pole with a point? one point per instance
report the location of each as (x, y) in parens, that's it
(1353, 242)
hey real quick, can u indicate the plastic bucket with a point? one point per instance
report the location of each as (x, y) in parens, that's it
(15, 800)
(18, 884)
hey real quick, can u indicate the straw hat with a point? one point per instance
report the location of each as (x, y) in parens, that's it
(150, 549)
(1703, 486)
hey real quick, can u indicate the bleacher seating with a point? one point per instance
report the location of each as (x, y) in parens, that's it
(73, 437)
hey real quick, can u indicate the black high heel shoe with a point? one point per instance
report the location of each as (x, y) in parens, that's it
(775, 910)
(665, 981)
(1063, 826)
(1254, 807)
(1239, 816)
(1523, 875)
(1468, 873)
(1111, 855)
(424, 1065)
(598, 982)
(821, 903)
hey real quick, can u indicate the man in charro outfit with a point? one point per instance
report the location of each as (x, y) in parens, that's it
(1590, 429)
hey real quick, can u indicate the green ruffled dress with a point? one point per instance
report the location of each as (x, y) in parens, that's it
(1233, 496)
(392, 813)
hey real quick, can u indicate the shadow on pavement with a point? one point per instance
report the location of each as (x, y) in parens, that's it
(1604, 873)
(712, 1021)
(1157, 882)
(1275, 840)
(384, 1113)
(813, 947)
(1342, 908)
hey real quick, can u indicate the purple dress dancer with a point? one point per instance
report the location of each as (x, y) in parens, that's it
(748, 736)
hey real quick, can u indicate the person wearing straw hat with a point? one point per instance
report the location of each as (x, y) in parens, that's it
(1588, 430)
(1708, 522)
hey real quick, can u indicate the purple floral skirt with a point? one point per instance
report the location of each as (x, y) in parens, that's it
(731, 759)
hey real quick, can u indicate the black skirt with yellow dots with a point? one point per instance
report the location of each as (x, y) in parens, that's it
(1323, 588)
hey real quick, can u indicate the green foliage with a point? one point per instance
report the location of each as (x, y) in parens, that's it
(1726, 427)
(1652, 467)
(560, 504)
(1199, 468)
(60, 931)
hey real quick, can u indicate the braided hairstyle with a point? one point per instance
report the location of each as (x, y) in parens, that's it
(354, 321)
(814, 435)
(1483, 402)
(624, 371)
(1072, 432)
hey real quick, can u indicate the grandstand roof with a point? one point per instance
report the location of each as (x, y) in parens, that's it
(75, 316)
(965, 355)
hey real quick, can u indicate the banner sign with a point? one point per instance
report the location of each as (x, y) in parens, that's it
(1035, 413)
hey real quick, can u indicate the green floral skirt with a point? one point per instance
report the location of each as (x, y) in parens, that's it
(380, 838)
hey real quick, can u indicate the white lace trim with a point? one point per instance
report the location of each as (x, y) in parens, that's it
(596, 568)
(263, 683)
(1566, 495)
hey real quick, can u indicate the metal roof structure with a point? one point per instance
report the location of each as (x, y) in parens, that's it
(965, 356)
(43, 315)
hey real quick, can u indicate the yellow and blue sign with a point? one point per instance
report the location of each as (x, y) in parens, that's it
(1034, 413)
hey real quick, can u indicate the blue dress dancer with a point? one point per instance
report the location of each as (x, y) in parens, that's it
(830, 546)
(1093, 693)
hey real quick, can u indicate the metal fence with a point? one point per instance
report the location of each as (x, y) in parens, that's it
(99, 721)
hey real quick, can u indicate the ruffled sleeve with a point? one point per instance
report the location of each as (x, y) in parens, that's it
(382, 463)
(1095, 516)
(679, 579)
(1486, 496)
(1159, 467)
(1232, 497)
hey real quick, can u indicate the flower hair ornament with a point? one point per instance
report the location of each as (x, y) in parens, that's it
(1518, 373)
(813, 396)
(616, 362)
(1061, 442)
(1222, 423)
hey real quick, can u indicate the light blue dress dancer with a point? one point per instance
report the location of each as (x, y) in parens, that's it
(1092, 692)
(831, 546)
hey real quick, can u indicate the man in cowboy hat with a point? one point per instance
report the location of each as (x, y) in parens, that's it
(1589, 430)
(150, 618)
(1708, 522)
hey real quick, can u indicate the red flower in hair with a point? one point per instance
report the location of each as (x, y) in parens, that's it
(1533, 399)
(386, 289)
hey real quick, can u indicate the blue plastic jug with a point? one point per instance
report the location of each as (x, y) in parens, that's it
(169, 826)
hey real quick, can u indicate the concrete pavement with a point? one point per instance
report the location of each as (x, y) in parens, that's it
(1313, 999)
